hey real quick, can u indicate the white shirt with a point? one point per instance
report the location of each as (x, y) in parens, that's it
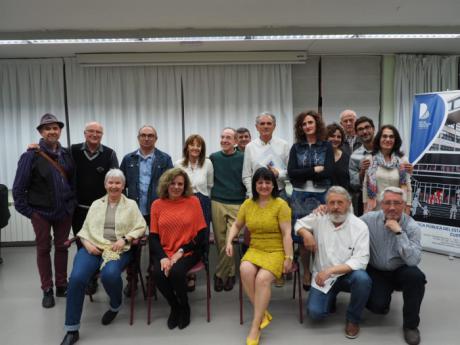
(346, 244)
(202, 178)
(259, 154)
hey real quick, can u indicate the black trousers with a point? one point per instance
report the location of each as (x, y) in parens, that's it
(78, 219)
(408, 279)
(174, 286)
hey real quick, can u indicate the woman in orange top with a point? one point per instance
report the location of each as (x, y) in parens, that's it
(177, 236)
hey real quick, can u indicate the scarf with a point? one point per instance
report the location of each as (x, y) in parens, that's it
(379, 161)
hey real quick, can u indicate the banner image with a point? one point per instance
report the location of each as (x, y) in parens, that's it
(435, 154)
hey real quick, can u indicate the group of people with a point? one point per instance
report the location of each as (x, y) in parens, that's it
(244, 187)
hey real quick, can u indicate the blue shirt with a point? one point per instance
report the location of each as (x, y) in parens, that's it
(145, 174)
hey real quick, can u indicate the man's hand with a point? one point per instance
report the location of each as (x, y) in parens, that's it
(321, 277)
(320, 210)
(393, 226)
(33, 146)
(318, 169)
(308, 239)
(273, 170)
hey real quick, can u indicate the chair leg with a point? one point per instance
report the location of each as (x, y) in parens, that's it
(141, 278)
(240, 293)
(149, 297)
(300, 298)
(294, 285)
(208, 296)
(132, 284)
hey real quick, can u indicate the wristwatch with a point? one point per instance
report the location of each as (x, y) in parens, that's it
(181, 251)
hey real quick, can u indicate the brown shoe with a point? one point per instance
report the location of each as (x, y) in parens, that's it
(229, 283)
(351, 330)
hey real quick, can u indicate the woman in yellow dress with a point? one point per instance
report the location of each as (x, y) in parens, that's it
(268, 219)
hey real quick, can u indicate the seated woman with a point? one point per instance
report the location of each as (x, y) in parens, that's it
(270, 253)
(111, 224)
(177, 235)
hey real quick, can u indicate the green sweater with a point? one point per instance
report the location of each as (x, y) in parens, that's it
(228, 185)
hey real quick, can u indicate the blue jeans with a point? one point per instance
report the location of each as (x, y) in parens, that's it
(85, 266)
(302, 204)
(357, 282)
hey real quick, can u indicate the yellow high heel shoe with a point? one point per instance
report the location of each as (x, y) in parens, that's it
(250, 341)
(266, 320)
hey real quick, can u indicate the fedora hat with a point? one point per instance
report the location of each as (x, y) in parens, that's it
(47, 119)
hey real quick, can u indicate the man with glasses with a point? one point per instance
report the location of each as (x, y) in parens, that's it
(143, 168)
(395, 252)
(364, 128)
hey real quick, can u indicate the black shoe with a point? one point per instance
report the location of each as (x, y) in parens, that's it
(61, 291)
(127, 290)
(70, 338)
(306, 287)
(108, 317)
(184, 317)
(218, 284)
(48, 298)
(229, 283)
(92, 286)
(412, 336)
(173, 318)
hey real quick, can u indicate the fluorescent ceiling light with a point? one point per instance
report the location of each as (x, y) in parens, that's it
(228, 38)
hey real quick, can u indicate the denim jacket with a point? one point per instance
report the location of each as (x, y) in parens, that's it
(130, 167)
(303, 157)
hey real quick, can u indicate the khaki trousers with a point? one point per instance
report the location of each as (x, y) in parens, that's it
(223, 216)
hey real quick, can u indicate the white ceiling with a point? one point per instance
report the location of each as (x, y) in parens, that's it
(23, 19)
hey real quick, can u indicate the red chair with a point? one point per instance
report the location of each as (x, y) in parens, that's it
(134, 265)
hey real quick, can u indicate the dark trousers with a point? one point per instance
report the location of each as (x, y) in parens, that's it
(408, 279)
(174, 286)
(61, 230)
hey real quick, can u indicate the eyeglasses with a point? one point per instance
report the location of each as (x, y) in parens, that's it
(365, 128)
(93, 131)
(392, 203)
(147, 136)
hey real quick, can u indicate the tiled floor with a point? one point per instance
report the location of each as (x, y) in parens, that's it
(24, 321)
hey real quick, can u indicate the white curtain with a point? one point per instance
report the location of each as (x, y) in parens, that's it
(418, 74)
(232, 96)
(29, 89)
(123, 99)
(351, 82)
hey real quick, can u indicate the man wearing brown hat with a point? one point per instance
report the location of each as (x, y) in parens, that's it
(43, 191)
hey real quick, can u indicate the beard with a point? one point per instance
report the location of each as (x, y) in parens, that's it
(336, 217)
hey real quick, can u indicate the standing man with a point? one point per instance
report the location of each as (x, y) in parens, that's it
(340, 241)
(347, 121)
(266, 151)
(243, 137)
(43, 192)
(143, 168)
(227, 194)
(92, 161)
(395, 253)
(358, 166)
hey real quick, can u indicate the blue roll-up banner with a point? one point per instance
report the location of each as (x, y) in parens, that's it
(435, 154)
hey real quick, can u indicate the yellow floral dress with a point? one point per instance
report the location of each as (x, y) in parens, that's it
(266, 246)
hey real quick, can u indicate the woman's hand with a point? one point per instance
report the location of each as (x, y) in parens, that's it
(287, 266)
(166, 265)
(229, 249)
(318, 169)
(309, 242)
(177, 255)
(91, 248)
(119, 245)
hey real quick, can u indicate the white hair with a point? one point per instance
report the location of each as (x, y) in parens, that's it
(273, 117)
(338, 190)
(394, 190)
(348, 112)
(116, 173)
